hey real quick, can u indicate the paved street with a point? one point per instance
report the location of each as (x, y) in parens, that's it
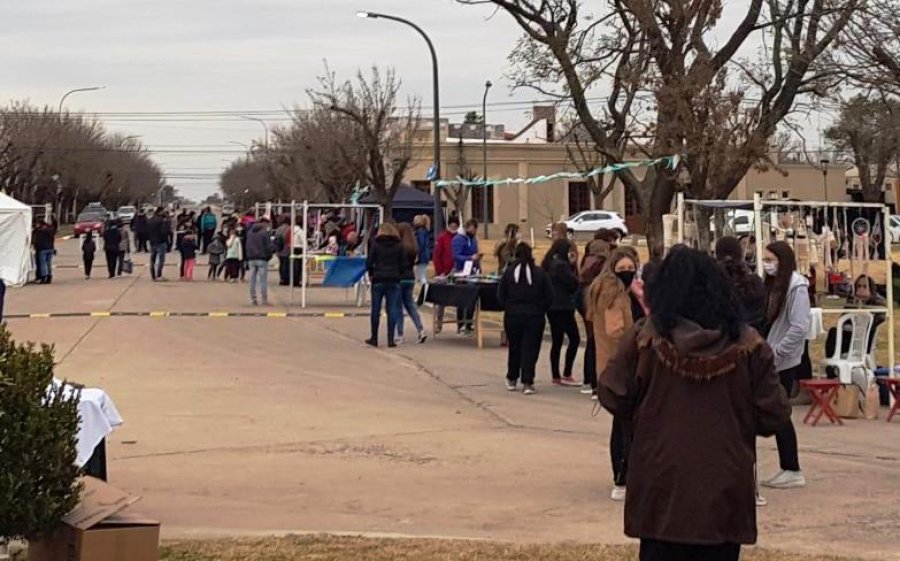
(239, 426)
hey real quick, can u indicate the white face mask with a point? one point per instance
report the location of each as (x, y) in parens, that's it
(771, 269)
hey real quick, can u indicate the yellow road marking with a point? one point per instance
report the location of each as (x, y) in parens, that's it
(100, 314)
(218, 314)
(335, 315)
(159, 314)
(39, 315)
(277, 315)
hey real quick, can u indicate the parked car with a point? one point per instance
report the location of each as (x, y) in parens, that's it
(589, 221)
(91, 219)
(126, 213)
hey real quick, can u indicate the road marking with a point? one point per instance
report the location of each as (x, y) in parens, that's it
(218, 314)
(100, 314)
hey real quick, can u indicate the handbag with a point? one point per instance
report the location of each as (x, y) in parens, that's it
(128, 266)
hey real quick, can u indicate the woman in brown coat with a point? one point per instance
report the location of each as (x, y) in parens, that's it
(612, 309)
(696, 386)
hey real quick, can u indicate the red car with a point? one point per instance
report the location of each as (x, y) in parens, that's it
(90, 220)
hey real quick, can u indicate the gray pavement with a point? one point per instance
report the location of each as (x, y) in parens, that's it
(247, 426)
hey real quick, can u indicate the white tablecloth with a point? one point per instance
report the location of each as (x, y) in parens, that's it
(98, 418)
(816, 325)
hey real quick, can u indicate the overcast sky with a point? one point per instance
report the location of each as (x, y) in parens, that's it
(237, 55)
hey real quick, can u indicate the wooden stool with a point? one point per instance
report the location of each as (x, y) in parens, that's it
(893, 386)
(823, 393)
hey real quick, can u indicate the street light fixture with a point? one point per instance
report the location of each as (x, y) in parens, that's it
(76, 90)
(825, 162)
(484, 192)
(436, 174)
(265, 127)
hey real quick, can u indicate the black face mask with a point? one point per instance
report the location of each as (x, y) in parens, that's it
(627, 277)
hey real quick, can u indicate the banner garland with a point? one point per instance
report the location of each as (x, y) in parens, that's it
(670, 161)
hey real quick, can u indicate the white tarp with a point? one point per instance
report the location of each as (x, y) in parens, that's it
(15, 241)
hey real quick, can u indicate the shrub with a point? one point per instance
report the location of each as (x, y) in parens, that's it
(37, 442)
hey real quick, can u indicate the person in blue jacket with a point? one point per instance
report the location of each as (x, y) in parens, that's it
(465, 248)
(422, 224)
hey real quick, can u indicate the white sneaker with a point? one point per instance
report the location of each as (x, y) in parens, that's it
(761, 501)
(398, 340)
(587, 390)
(529, 390)
(618, 493)
(786, 479)
(510, 386)
(421, 338)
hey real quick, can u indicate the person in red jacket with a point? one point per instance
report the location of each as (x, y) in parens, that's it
(443, 259)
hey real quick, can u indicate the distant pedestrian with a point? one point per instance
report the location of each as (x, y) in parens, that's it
(234, 257)
(189, 254)
(158, 231)
(385, 263)
(43, 240)
(139, 226)
(559, 265)
(505, 249)
(408, 284)
(422, 225)
(88, 250)
(208, 225)
(124, 248)
(112, 238)
(260, 250)
(216, 252)
(526, 295)
(443, 261)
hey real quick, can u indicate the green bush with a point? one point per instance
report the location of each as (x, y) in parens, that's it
(38, 476)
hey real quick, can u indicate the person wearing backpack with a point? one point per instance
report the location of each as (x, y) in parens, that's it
(208, 225)
(88, 250)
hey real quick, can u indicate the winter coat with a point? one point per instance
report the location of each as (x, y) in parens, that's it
(216, 249)
(525, 290)
(208, 222)
(443, 254)
(112, 237)
(504, 251)
(465, 248)
(387, 260)
(565, 285)
(234, 249)
(787, 334)
(188, 248)
(423, 240)
(89, 247)
(42, 238)
(751, 292)
(609, 309)
(693, 405)
(158, 230)
(259, 243)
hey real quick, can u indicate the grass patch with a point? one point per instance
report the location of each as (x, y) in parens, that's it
(332, 548)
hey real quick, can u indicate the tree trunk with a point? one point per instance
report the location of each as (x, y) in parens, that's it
(656, 203)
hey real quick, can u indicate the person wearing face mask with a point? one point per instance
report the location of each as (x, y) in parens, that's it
(787, 326)
(612, 309)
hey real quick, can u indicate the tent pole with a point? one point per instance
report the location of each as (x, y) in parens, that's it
(304, 277)
(292, 245)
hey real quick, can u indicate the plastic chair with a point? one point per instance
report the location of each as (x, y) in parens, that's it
(857, 354)
(873, 344)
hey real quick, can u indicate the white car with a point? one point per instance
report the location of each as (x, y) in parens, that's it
(589, 221)
(894, 229)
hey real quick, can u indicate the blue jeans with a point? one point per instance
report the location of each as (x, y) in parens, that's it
(44, 259)
(391, 293)
(259, 273)
(158, 259)
(407, 301)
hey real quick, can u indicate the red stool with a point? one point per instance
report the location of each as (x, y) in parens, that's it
(823, 393)
(893, 386)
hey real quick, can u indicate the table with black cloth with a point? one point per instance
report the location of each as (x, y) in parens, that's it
(480, 295)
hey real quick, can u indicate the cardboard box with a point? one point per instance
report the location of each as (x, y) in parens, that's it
(847, 402)
(98, 530)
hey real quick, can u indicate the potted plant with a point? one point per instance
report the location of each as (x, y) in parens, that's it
(38, 428)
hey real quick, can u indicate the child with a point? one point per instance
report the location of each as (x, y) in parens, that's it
(216, 249)
(189, 255)
(234, 257)
(88, 249)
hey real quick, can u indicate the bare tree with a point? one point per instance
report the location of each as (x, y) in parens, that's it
(702, 102)
(868, 133)
(244, 182)
(386, 130)
(458, 194)
(869, 51)
(585, 158)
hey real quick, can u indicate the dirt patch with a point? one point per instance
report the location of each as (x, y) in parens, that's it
(331, 548)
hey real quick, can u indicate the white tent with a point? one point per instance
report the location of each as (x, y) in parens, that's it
(15, 241)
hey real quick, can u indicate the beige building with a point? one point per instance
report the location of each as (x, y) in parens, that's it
(534, 206)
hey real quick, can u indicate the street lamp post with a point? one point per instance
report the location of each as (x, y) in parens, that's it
(484, 155)
(437, 109)
(76, 90)
(825, 163)
(264, 126)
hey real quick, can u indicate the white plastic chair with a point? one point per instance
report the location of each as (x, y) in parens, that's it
(871, 364)
(857, 355)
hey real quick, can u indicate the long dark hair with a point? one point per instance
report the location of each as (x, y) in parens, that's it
(777, 286)
(691, 286)
(524, 255)
(408, 238)
(560, 249)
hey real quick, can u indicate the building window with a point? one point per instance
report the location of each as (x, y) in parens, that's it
(579, 197)
(478, 194)
(422, 185)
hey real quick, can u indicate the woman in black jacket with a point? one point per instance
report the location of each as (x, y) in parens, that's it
(386, 263)
(558, 264)
(525, 294)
